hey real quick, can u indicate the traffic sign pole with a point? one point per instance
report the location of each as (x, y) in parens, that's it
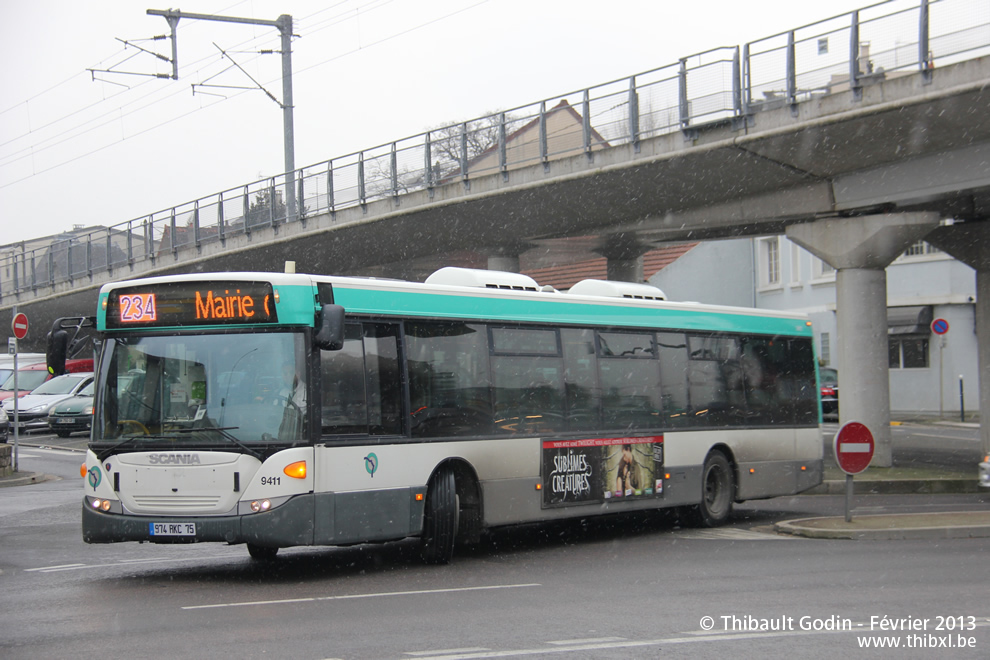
(853, 449)
(940, 327)
(19, 326)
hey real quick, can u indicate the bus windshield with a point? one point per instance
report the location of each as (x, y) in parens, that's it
(215, 390)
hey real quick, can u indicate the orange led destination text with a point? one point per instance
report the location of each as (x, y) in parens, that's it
(226, 306)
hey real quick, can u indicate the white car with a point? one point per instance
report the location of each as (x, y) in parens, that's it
(33, 408)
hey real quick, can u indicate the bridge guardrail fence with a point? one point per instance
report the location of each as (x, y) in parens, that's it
(842, 53)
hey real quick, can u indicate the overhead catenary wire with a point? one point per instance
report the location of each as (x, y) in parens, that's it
(115, 115)
(263, 39)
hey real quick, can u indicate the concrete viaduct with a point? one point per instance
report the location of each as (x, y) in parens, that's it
(855, 179)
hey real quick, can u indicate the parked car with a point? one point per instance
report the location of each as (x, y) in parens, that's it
(4, 426)
(23, 359)
(31, 376)
(830, 391)
(73, 414)
(33, 408)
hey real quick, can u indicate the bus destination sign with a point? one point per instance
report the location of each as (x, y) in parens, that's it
(191, 303)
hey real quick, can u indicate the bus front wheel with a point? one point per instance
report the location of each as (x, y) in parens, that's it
(440, 518)
(261, 553)
(717, 491)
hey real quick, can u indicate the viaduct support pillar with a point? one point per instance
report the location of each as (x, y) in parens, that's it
(969, 242)
(625, 258)
(506, 257)
(860, 249)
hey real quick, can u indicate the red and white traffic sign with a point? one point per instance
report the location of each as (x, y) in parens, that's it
(940, 326)
(853, 447)
(20, 325)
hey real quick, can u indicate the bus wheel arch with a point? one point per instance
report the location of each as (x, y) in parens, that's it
(718, 488)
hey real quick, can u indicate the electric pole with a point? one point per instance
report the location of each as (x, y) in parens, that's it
(284, 25)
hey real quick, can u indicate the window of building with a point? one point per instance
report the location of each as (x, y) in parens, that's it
(796, 251)
(769, 256)
(908, 352)
(920, 249)
(821, 270)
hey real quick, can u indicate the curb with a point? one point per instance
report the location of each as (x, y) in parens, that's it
(899, 487)
(26, 478)
(838, 528)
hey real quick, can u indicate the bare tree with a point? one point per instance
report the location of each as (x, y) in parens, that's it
(447, 142)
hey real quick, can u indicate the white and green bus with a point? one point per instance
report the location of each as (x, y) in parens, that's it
(280, 410)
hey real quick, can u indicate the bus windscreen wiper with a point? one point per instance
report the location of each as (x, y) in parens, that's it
(173, 435)
(223, 431)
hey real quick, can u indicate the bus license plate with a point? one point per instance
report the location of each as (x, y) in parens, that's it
(172, 529)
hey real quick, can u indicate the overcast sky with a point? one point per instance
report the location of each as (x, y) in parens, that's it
(78, 151)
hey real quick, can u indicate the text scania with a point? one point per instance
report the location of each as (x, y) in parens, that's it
(226, 306)
(173, 459)
(571, 474)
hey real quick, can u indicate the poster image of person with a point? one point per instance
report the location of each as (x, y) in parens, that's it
(630, 468)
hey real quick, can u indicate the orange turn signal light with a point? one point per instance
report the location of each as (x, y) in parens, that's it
(419, 497)
(296, 470)
(82, 470)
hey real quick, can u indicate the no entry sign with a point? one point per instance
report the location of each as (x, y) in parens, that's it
(20, 325)
(853, 447)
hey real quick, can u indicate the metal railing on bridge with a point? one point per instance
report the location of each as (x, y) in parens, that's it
(843, 53)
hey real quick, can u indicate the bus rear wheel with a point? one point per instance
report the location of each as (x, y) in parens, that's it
(261, 553)
(440, 518)
(717, 491)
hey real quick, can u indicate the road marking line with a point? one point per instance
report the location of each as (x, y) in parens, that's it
(315, 599)
(118, 564)
(472, 649)
(611, 646)
(591, 640)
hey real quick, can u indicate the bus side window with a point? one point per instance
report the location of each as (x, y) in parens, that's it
(715, 381)
(449, 379)
(630, 380)
(361, 385)
(343, 405)
(527, 374)
(581, 389)
(674, 379)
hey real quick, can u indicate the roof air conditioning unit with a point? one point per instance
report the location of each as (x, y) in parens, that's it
(613, 289)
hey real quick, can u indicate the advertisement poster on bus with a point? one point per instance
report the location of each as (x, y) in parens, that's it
(594, 470)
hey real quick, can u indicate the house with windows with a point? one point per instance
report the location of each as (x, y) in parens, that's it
(923, 284)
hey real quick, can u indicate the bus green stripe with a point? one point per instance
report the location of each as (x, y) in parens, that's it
(554, 310)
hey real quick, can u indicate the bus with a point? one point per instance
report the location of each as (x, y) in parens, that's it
(284, 409)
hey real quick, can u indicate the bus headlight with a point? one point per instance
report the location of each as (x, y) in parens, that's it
(100, 504)
(261, 505)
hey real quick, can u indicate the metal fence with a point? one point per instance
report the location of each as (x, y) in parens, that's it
(844, 53)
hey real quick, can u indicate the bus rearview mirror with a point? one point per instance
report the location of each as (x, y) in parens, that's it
(330, 328)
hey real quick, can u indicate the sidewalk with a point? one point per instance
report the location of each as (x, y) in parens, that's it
(956, 525)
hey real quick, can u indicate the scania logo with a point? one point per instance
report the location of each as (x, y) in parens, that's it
(173, 459)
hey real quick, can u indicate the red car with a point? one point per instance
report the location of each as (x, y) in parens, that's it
(830, 391)
(33, 375)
